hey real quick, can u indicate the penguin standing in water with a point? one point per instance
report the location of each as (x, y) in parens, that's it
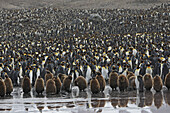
(26, 85)
(113, 80)
(123, 82)
(9, 85)
(157, 83)
(2, 87)
(50, 87)
(81, 83)
(58, 84)
(101, 81)
(67, 84)
(167, 81)
(39, 85)
(147, 81)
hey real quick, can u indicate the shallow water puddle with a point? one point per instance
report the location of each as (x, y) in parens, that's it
(125, 102)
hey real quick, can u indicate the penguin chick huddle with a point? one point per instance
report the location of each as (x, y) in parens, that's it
(53, 50)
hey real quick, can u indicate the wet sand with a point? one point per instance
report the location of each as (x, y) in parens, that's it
(81, 4)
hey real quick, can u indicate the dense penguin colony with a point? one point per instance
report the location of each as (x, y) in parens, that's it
(54, 50)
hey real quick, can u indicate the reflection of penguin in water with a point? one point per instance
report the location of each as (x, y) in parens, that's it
(9, 85)
(58, 84)
(158, 99)
(40, 107)
(167, 81)
(26, 85)
(157, 83)
(80, 81)
(50, 87)
(67, 84)
(2, 87)
(148, 98)
(114, 102)
(101, 81)
(95, 103)
(167, 97)
(148, 81)
(39, 85)
(123, 82)
(113, 80)
(48, 75)
(123, 102)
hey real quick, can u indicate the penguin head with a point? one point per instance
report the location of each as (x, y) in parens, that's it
(6, 76)
(70, 77)
(25, 76)
(48, 72)
(98, 73)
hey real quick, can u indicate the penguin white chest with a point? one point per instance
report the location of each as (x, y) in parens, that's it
(105, 72)
(38, 72)
(20, 72)
(31, 75)
(88, 74)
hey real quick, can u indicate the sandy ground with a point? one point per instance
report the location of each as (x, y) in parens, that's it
(88, 4)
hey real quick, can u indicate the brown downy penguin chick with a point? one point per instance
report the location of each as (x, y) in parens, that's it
(67, 83)
(9, 85)
(123, 82)
(148, 98)
(132, 85)
(94, 86)
(113, 78)
(167, 81)
(157, 83)
(101, 81)
(48, 76)
(58, 84)
(81, 82)
(39, 85)
(130, 74)
(26, 85)
(50, 87)
(148, 81)
(62, 77)
(2, 87)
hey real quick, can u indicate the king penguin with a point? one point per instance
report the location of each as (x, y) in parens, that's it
(39, 85)
(2, 87)
(26, 85)
(101, 81)
(9, 85)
